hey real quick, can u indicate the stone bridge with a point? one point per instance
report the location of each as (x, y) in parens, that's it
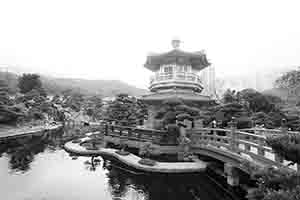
(233, 147)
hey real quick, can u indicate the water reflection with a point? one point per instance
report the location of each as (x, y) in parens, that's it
(51, 173)
(92, 164)
(21, 151)
(127, 184)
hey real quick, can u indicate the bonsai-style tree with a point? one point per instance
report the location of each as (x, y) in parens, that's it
(175, 109)
(229, 96)
(145, 151)
(258, 102)
(225, 112)
(280, 184)
(27, 82)
(93, 107)
(126, 110)
(4, 97)
(8, 113)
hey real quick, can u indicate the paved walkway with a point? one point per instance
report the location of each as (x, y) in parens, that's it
(132, 160)
(7, 132)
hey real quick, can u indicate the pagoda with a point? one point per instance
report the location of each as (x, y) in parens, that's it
(179, 74)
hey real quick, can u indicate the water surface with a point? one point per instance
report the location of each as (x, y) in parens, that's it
(37, 168)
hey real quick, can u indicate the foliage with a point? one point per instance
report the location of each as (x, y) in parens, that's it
(9, 114)
(225, 112)
(146, 149)
(175, 109)
(229, 96)
(244, 122)
(126, 110)
(277, 183)
(73, 100)
(261, 118)
(293, 122)
(287, 146)
(257, 101)
(93, 107)
(290, 79)
(4, 97)
(27, 82)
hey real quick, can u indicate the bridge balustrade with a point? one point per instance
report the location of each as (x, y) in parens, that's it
(250, 145)
(137, 134)
(247, 143)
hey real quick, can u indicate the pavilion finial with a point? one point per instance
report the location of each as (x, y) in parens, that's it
(176, 43)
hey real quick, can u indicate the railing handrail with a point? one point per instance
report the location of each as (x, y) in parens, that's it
(175, 77)
(274, 131)
(138, 129)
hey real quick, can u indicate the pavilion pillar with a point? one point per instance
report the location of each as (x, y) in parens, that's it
(232, 174)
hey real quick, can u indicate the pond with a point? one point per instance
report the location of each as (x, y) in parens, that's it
(37, 168)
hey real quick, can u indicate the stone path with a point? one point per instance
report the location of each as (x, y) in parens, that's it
(132, 160)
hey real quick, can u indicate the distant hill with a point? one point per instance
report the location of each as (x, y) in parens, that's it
(53, 85)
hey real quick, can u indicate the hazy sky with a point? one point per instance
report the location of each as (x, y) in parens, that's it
(111, 39)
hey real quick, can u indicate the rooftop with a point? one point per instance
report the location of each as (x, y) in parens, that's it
(197, 59)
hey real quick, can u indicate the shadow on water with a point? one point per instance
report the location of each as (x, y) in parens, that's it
(121, 181)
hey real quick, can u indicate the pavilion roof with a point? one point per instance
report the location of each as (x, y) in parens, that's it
(197, 60)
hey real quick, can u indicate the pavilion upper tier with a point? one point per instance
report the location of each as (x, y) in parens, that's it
(176, 70)
(197, 60)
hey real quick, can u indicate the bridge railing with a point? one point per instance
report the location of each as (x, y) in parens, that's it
(137, 134)
(250, 145)
(268, 132)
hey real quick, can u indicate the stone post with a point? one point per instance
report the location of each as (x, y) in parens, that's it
(284, 128)
(233, 136)
(231, 174)
(260, 149)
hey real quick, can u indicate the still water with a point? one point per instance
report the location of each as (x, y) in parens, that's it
(37, 168)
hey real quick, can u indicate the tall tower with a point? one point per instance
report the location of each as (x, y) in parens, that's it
(176, 75)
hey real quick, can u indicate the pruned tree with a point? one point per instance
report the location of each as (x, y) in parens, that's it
(27, 82)
(126, 110)
(93, 107)
(280, 184)
(229, 96)
(4, 97)
(176, 109)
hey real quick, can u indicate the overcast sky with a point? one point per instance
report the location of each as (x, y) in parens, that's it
(111, 39)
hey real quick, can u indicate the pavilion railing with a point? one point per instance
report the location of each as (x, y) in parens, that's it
(176, 76)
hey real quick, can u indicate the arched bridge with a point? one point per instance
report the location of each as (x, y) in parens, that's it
(231, 146)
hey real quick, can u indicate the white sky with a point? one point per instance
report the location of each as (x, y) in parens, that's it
(110, 39)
